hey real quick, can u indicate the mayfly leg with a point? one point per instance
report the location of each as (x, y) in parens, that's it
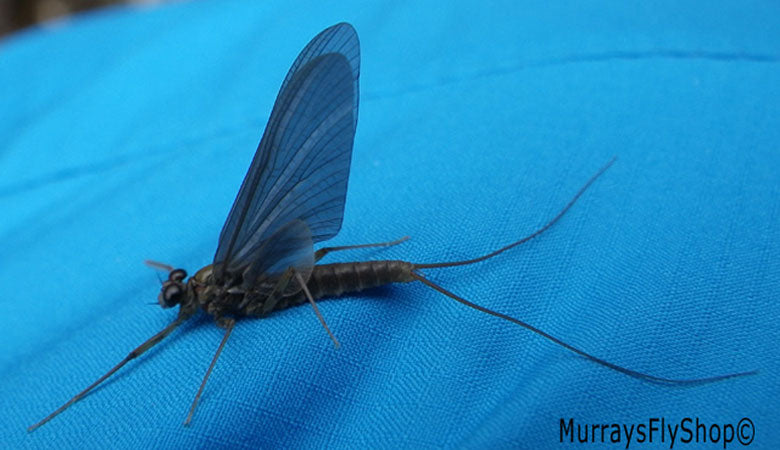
(319, 254)
(228, 324)
(151, 342)
(309, 297)
(280, 287)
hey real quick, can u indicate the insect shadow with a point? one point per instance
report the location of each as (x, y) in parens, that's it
(292, 197)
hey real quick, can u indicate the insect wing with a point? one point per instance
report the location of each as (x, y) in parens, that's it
(291, 246)
(340, 38)
(298, 177)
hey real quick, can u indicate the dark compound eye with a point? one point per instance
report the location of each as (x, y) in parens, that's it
(177, 275)
(171, 294)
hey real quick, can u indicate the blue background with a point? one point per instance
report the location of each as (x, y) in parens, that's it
(125, 134)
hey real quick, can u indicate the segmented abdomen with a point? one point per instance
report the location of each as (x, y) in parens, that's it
(329, 280)
(332, 280)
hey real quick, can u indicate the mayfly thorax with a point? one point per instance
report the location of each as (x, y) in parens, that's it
(292, 197)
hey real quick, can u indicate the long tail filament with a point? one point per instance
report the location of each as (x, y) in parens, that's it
(633, 373)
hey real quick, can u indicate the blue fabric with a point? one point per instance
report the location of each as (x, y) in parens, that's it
(126, 134)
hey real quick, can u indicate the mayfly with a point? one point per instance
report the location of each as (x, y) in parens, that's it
(293, 197)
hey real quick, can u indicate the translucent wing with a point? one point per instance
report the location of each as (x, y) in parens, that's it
(340, 38)
(292, 245)
(293, 194)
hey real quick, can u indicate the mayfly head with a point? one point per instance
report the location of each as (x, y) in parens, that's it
(173, 289)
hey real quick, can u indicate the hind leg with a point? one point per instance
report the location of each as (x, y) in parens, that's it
(319, 254)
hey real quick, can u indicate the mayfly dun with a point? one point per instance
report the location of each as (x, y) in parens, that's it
(293, 197)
